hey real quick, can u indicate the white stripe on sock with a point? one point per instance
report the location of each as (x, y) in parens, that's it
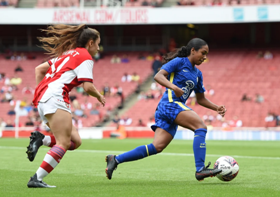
(50, 160)
(41, 173)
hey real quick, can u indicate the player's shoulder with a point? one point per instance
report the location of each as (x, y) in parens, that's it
(83, 54)
(178, 61)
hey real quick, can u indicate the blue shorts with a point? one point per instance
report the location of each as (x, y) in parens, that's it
(166, 114)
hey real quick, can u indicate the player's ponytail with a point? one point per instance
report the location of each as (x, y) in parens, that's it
(66, 37)
(184, 51)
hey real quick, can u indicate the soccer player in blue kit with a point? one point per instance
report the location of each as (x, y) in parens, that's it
(180, 77)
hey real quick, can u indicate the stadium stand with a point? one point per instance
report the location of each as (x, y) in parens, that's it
(138, 3)
(57, 3)
(231, 74)
(225, 2)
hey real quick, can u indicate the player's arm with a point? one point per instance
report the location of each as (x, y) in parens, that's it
(41, 71)
(161, 78)
(203, 101)
(91, 90)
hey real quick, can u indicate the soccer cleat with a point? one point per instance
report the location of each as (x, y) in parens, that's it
(205, 172)
(36, 140)
(35, 183)
(111, 165)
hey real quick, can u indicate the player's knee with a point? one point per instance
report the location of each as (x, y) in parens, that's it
(200, 125)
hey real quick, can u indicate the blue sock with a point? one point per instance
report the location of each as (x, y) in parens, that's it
(199, 148)
(137, 153)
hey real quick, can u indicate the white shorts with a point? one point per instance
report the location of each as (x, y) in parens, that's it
(50, 107)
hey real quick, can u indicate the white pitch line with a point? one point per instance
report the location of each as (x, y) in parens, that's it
(163, 154)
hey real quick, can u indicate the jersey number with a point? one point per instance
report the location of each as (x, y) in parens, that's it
(55, 70)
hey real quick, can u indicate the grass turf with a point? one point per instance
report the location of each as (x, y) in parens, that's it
(82, 172)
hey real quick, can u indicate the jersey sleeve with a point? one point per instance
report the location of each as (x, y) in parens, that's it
(172, 65)
(84, 71)
(200, 87)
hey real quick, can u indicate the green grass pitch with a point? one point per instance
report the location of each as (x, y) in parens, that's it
(171, 173)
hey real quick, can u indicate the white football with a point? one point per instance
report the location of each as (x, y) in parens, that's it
(229, 166)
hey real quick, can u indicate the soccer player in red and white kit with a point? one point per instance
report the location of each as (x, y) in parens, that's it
(73, 48)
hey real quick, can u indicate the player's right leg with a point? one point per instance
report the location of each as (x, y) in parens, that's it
(62, 133)
(161, 139)
(189, 119)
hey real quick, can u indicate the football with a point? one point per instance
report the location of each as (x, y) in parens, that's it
(229, 166)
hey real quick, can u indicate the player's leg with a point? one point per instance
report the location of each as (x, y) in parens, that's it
(62, 133)
(189, 119)
(161, 139)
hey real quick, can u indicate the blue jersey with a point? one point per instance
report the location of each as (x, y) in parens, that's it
(185, 76)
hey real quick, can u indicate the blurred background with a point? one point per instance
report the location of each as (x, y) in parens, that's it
(241, 71)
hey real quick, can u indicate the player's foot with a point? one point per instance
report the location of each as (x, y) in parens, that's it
(35, 183)
(36, 140)
(205, 172)
(111, 165)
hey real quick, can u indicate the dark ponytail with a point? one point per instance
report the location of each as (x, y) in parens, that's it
(184, 51)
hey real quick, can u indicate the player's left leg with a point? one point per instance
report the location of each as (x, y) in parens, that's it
(161, 139)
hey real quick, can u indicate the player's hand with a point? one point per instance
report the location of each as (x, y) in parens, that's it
(178, 91)
(101, 99)
(222, 110)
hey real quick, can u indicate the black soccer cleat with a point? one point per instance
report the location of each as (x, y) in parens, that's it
(111, 165)
(36, 140)
(205, 172)
(35, 183)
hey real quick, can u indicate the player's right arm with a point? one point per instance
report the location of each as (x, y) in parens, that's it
(161, 78)
(91, 90)
(168, 68)
(41, 71)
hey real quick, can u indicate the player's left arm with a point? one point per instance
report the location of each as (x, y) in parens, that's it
(203, 101)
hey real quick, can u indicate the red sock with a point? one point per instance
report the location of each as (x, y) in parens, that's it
(53, 142)
(50, 161)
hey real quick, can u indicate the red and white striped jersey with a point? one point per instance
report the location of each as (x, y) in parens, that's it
(65, 72)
